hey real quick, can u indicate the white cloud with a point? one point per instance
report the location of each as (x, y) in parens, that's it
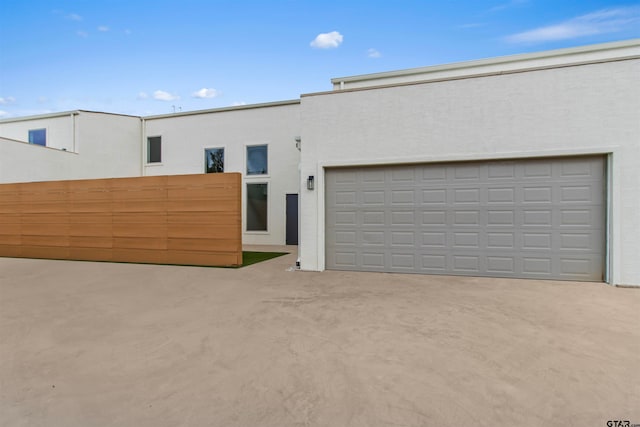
(142, 95)
(82, 34)
(127, 31)
(3, 113)
(327, 40)
(373, 53)
(103, 28)
(7, 100)
(598, 22)
(74, 17)
(161, 95)
(205, 93)
(238, 103)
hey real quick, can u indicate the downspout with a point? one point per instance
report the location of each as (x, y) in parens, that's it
(73, 132)
(143, 137)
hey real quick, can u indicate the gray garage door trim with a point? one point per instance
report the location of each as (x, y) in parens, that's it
(525, 218)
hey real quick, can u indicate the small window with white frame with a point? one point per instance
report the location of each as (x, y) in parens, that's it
(214, 160)
(38, 137)
(257, 160)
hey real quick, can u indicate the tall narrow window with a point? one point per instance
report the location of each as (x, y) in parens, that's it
(214, 160)
(257, 160)
(257, 207)
(38, 137)
(154, 149)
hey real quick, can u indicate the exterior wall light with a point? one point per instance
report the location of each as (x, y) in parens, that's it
(310, 182)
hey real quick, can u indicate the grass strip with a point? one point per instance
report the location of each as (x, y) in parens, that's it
(249, 258)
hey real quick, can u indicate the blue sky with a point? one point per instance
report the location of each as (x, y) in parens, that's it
(150, 57)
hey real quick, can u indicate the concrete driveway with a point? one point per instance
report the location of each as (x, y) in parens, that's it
(99, 344)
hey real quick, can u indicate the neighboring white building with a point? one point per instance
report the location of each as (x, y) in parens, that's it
(69, 145)
(257, 140)
(519, 166)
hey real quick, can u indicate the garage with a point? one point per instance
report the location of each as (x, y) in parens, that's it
(541, 218)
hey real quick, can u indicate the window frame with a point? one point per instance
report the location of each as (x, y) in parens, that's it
(246, 157)
(149, 160)
(224, 160)
(246, 201)
(33, 132)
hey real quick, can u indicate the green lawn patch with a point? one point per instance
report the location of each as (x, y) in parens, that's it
(249, 258)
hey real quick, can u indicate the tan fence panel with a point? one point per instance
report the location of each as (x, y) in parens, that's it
(182, 219)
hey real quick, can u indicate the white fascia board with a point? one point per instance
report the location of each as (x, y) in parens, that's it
(60, 114)
(222, 109)
(560, 57)
(41, 116)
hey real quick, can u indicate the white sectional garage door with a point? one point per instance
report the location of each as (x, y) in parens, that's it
(533, 218)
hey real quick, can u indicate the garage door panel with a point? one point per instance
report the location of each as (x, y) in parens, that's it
(373, 197)
(370, 176)
(434, 218)
(434, 175)
(374, 260)
(403, 238)
(501, 195)
(373, 218)
(501, 265)
(434, 239)
(403, 261)
(536, 218)
(342, 260)
(466, 240)
(345, 198)
(466, 172)
(537, 194)
(579, 218)
(537, 169)
(501, 171)
(466, 218)
(373, 237)
(400, 218)
(431, 197)
(572, 194)
(537, 266)
(500, 240)
(403, 197)
(434, 263)
(581, 168)
(466, 264)
(500, 218)
(537, 241)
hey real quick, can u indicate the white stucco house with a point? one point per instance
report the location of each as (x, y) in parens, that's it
(520, 166)
(256, 140)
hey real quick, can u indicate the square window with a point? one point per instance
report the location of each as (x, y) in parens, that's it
(214, 160)
(38, 137)
(154, 149)
(257, 207)
(257, 160)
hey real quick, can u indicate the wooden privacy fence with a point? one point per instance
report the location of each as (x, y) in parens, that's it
(178, 219)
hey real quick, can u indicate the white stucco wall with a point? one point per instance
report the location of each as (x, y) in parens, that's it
(561, 111)
(98, 146)
(60, 129)
(185, 137)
